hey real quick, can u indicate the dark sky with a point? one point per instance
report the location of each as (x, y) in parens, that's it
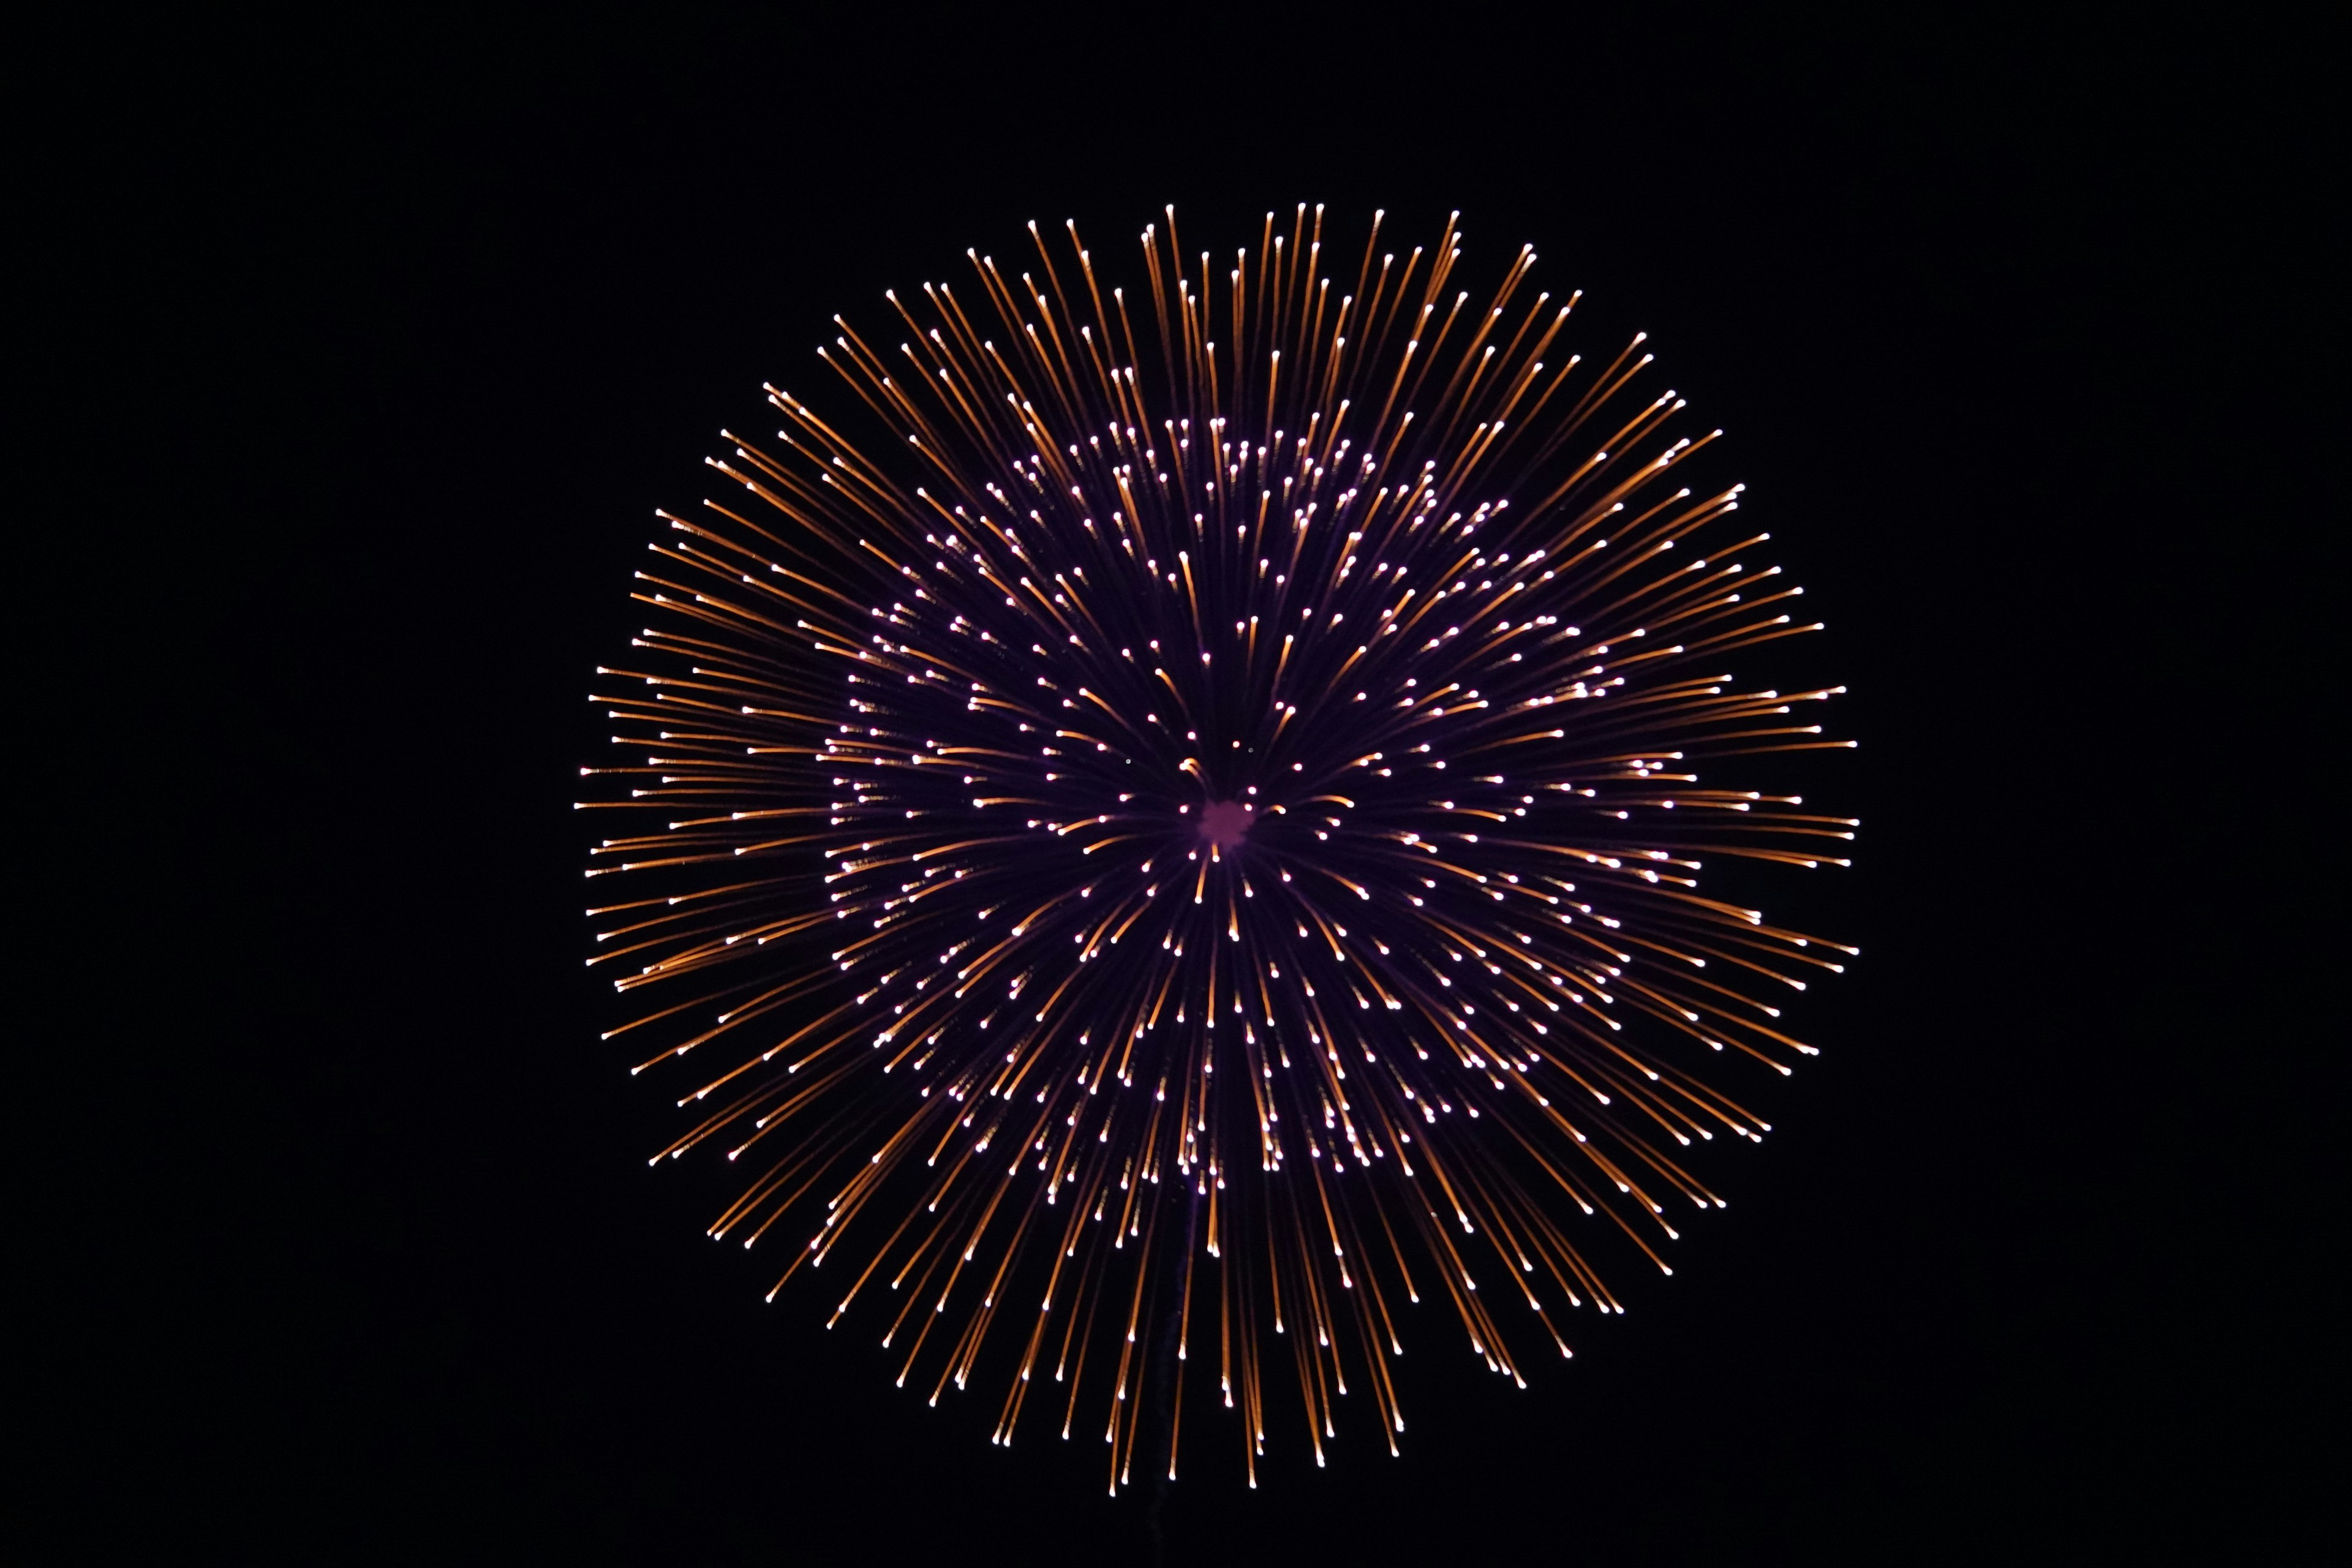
(466, 302)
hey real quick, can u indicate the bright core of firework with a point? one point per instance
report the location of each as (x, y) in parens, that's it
(1199, 848)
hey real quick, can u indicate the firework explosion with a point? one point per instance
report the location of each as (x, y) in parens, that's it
(1200, 850)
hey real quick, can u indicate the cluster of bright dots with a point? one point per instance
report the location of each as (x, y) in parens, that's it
(1205, 847)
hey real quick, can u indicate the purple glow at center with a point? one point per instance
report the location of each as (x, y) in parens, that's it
(1225, 823)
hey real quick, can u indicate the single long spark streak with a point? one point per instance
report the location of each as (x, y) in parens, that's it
(986, 792)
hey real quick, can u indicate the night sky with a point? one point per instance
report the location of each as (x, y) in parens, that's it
(468, 302)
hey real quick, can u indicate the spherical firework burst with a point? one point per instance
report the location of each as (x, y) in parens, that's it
(1199, 847)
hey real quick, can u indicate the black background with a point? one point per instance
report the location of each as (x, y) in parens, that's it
(454, 306)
